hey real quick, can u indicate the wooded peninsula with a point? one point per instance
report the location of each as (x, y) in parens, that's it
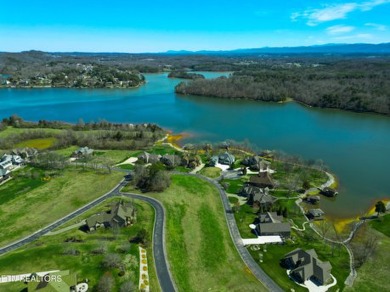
(354, 85)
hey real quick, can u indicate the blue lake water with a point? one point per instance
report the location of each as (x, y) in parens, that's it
(356, 147)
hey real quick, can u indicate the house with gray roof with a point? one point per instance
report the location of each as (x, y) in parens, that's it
(271, 223)
(315, 214)
(171, 160)
(224, 158)
(256, 195)
(149, 158)
(4, 174)
(83, 151)
(305, 265)
(25, 152)
(121, 215)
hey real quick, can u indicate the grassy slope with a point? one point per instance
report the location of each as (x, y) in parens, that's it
(200, 250)
(32, 209)
(46, 253)
(374, 274)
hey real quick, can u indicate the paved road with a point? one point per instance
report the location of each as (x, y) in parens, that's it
(41, 232)
(162, 267)
(236, 237)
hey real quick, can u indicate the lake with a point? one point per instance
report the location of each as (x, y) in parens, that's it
(354, 146)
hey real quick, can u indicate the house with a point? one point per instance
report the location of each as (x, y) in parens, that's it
(149, 158)
(305, 265)
(252, 162)
(171, 160)
(313, 199)
(25, 153)
(329, 192)
(315, 214)
(121, 215)
(4, 174)
(225, 158)
(6, 165)
(262, 180)
(61, 281)
(272, 224)
(82, 152)
(256, 195)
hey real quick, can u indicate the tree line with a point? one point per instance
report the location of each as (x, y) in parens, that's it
(354, 85)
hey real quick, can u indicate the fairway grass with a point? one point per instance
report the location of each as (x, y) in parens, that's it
(32, 209)
(47, 253)
(200, 250)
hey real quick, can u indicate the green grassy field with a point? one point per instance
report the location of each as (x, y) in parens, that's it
(36, 198)
(212, 172)
(13, 131)
(200, 251)
(39, 144)
(47, 253)
(373, 275)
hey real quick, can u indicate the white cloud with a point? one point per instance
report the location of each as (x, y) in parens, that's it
(377, 26)
(339, 29)
(355, 37)
(336, 11)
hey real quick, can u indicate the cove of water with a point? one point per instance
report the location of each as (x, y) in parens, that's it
(354, 146)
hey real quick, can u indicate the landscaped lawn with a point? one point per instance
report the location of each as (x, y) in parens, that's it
(212, 172)
(201, 253)
(244, 216)
(47, 253)
(336, 255)
(235, 185)
(115, 156)
(33, 202)
(382, 224)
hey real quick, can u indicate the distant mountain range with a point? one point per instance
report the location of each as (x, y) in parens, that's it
(383, 48)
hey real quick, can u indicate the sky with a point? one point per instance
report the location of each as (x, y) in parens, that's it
(162, 25)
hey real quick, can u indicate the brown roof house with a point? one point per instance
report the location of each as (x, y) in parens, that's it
(305, 265)
(121, 215)
(272, 224)
(262, 180)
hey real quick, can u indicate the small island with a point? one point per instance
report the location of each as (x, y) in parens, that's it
(185, 75)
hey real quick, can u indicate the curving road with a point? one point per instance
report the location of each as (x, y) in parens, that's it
(41, 232)
(236, 237)
(162, 267)
(159, 252)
